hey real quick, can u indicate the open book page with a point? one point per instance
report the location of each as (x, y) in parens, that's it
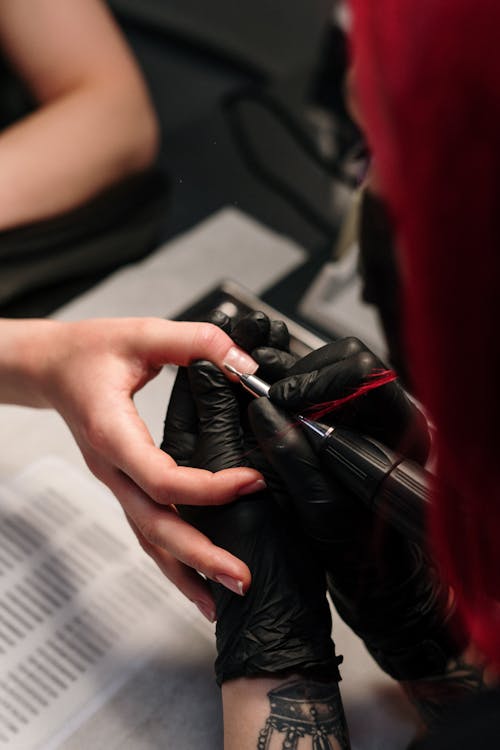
(81, 605)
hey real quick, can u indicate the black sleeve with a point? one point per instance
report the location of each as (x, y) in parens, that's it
(474, 723)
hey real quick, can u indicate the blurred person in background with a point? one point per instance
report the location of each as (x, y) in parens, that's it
(79, 191)
(93, 122)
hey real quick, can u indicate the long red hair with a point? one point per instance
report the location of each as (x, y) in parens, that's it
(428, 80)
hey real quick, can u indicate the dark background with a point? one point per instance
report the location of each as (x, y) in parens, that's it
(230, 81)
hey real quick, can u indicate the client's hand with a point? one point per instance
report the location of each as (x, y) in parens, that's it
(381, 584)
(89, 371)
(283, 622)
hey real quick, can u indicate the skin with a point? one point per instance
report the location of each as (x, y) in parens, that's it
(95, 123)
(248, 713)
(89, 372)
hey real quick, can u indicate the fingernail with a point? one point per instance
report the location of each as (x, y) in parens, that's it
(248, 489)
(240, 361)
(231, 583)
(206, 610)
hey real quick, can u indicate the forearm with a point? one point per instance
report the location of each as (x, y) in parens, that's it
(291, 708)
(71, 149)
(25, 347)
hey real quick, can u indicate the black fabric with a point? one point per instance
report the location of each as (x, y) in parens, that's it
(118, 226)
(272, 37)
(474, 723)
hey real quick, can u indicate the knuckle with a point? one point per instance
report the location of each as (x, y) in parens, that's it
(285, 451)
(279, 335)
(170, 569)
(220, 319)
(147, 533)
(194, 559)
(151, 531)
(353, 346)
(97, 469)
(365, 362)
(208, 337)
(142, 328)
(161, 494)
(211, 564)
(144, 544)
(94, 433)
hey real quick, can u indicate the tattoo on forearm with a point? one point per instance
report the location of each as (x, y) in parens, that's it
(434, 695)
(305, 709)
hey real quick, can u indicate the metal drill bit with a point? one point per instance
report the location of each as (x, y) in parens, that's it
(254, 385)
(233, 370)
(258, 387)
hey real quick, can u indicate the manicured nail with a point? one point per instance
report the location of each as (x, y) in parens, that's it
(248, 489)
(240, 361)
(206, 610)
(231, 583)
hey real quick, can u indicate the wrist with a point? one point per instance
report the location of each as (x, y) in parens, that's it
(279, 711)
(27, 349)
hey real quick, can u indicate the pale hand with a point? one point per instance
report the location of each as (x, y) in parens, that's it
(89, 372)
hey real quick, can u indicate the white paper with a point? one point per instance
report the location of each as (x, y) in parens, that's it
(227, 245)
(81, 605)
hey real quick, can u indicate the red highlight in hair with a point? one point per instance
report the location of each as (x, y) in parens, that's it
(375, 380)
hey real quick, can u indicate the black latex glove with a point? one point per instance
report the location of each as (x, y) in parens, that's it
(283, 623)
(381, 584)
(336, 371)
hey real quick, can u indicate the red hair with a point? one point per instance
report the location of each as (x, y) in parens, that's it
(428, 80)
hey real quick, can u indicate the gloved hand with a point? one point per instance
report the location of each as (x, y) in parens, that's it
(382, 585)
(283, 622)
(333, 374)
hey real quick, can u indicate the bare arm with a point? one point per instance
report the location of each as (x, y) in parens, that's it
(95, 123)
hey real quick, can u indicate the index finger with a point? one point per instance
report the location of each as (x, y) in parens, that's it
(165, 529)
(180, 343)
